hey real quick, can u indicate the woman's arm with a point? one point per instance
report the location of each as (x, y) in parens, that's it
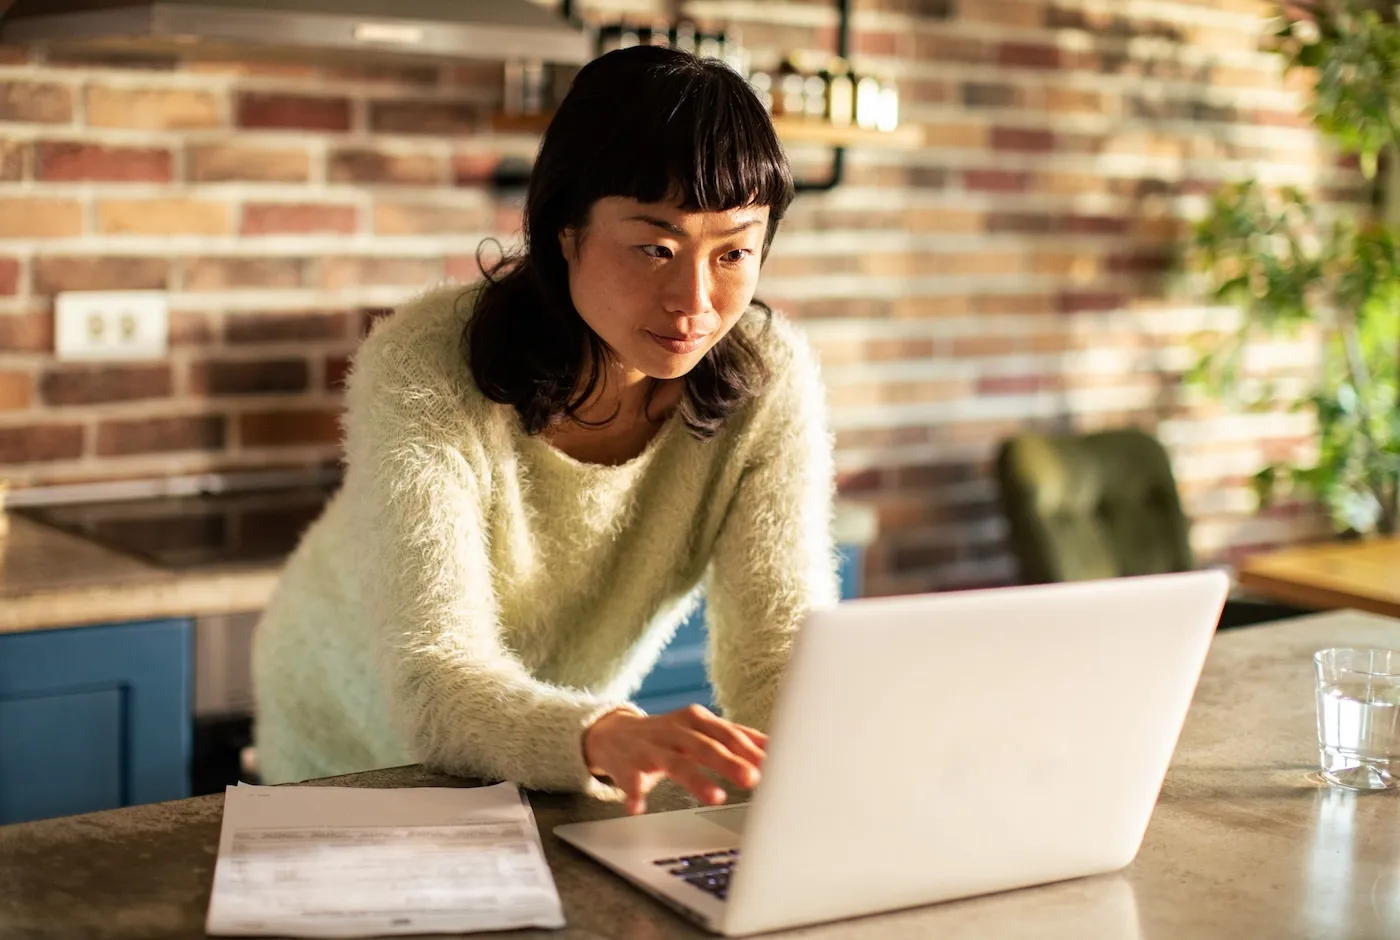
(466, 703)
(773, 560)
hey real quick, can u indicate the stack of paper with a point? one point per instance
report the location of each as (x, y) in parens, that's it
(344, 862)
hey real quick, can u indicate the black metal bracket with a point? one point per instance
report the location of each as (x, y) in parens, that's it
(512, 175)
(838, 154)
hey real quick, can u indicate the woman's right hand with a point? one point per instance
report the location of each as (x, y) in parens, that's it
(637, 752)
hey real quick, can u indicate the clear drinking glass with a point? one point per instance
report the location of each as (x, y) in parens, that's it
(1358, 717)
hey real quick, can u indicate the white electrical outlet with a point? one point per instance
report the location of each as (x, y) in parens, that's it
(102, 325)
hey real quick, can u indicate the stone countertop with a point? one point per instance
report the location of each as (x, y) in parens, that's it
(51, 579)
(1245, 841)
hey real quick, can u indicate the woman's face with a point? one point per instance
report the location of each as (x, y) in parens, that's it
(661, 285)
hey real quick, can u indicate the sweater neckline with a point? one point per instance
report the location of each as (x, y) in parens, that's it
(554, 454)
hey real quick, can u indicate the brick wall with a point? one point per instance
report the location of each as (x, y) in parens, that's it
(1014, 272)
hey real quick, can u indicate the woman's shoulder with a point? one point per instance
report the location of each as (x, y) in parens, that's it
(792, 364)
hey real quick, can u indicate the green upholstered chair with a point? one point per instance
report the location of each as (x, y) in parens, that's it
(1103, 505)
(1094, 505)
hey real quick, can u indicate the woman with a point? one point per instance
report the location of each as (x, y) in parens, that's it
(542, 469)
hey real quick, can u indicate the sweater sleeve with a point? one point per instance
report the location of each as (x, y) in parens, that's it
(773, 559)
(465, 703)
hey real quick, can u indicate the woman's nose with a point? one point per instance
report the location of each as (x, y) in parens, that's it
(690, 293)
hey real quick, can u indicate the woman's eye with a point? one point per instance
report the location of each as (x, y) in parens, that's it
(736, 256)
(656, 251)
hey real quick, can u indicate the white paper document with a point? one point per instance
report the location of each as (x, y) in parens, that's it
(346, 862)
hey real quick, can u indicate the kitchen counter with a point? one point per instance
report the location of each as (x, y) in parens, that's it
(1245, 841)
(51, 579)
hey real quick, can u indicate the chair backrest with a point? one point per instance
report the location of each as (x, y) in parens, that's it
(1092, 506)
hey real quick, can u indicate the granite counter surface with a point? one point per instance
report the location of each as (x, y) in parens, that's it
(1245, 841)
(51, 579)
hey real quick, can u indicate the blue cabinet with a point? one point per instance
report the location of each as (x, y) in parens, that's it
(678, 679)
(93, 718)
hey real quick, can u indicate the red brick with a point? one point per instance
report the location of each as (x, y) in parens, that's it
(861, 481)
(153, 108)
(474, 169)
(439, 118)
(1094, 224)
(191, 328)
(160, 435)
(41, 443)
(12, 156)
(1072, 301)
(30, 217)
(285, 327)
(35, 102)
(990, 95)
(1028, 56)
(16, 390)
(66, 162)
(996, 180)
(53, 275)
(289, 428)
(215, 274)
(96, 385)
(271, 218)
(162, 217)
(337, 368)
(230, 163)
(14, 55)
(9, 275)
(261, 377)
(361, 165)
(1022, 138)
(868, 42)
(339, 273)
(294, 112)
(1026, 222)
(1015, 384)
(26, 332)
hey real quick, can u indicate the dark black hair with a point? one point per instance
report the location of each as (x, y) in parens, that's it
(651, 124)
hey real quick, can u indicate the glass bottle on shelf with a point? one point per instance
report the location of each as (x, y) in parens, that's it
(707, 45)
(762, 84)
(867, 102)
(685, 36)
(840, 93)
(513, 87)
(532, 99)
(887, 112)
(733, 51)
(814, 97)
(659, 34)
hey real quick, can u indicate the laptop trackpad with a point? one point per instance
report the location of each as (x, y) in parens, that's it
(731, 817)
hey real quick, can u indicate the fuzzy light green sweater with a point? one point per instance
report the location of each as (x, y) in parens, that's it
(473, 598)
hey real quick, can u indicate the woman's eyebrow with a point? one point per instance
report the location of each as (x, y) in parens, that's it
(679, 232)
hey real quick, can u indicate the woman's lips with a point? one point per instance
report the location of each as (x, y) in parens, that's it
(680, 345)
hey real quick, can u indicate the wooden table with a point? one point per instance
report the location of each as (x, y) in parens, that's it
(1363, 574)
(1246, 841)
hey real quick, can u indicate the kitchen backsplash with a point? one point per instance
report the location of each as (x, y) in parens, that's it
(1012, 272)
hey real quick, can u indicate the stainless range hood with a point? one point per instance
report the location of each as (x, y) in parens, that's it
(303, 29)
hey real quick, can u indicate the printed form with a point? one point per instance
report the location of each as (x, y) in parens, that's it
(346, 862)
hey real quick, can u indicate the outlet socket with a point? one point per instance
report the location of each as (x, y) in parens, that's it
(107, 325)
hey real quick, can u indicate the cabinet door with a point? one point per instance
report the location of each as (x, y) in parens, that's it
(93, 718)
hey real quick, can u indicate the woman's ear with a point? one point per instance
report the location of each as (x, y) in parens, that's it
(568, 243)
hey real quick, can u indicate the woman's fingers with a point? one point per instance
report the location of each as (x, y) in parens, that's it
(685, 774)
(735, 739)
(707, 752)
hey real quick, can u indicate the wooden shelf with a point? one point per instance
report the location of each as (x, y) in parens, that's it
(798, 131)
(790, 131)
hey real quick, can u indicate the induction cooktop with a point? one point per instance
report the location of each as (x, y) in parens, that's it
(208, 529)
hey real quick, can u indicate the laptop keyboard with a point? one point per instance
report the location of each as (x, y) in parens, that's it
(709, 872)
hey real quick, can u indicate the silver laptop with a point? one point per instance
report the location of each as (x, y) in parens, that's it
(932, 747)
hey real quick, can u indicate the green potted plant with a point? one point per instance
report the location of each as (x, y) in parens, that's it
(1287, 268)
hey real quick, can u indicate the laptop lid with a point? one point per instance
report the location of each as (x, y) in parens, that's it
(941, 746)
